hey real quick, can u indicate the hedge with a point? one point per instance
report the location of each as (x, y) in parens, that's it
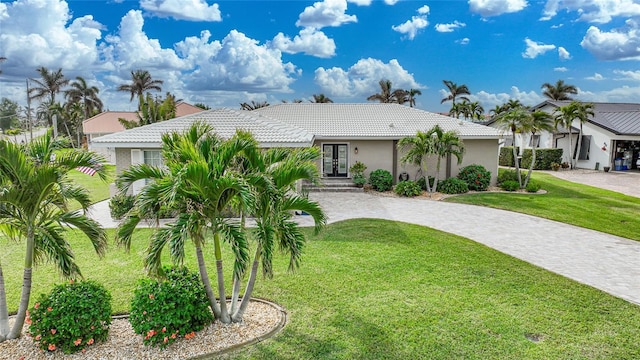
(506, 156)
(544, 158)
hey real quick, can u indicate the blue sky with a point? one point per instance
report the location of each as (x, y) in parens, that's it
(226, 52)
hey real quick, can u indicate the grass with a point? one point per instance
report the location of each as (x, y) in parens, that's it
(373, 289)
(568, 202)
(98, 189)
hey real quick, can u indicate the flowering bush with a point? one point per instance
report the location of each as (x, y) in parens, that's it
(408, 189)
(164, 310)
(381, 180)
(453, 186)
(72, 317)
(476, 177)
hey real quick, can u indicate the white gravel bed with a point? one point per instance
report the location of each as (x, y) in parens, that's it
(260, 319)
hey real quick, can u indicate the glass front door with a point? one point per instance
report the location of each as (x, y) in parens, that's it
(334, 160)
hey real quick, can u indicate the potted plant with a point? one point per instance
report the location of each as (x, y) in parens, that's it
(555, 166)
(357, 173)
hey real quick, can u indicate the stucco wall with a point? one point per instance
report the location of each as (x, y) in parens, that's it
(376, 154)
(123, 159)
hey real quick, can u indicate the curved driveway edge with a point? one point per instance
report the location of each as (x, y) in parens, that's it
(606, 262)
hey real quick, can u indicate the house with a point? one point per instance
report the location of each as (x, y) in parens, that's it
(345, 133)
(107, 123)
(611, 138)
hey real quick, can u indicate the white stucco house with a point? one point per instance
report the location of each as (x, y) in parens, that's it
(345, 133)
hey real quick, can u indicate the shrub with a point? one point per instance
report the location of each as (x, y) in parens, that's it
(532, 187)
(357, 168)
(381, 180)
(359, 180)
(506, 175)
(510, 185)
(476, 176)
(506, 156)
(423, 183)
(72, 317)
(120, 204)
(544, 158)
(408, 188)
(453, 186)
(163, 310)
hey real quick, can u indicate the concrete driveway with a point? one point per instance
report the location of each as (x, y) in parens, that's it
(625, 182)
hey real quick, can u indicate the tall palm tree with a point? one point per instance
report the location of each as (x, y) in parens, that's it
(253, 106)
(455, 92)
(417, 150)
(444, 143)
(385, 95)
(560, 91)
(49, 84)
(81, 92)
(565, 116)
(536, 121)
(476, 111)
(583, 112)
(198, 179)
(141, 82)
(36, 191)
(321, 99)
(512, 120)
(412, 93)
(275, 202)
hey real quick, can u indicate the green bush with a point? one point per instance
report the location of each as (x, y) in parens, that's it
(506, 175)
(506, 156)
(163, 310)
(120, 204)
(544, 158)
(510, 185)
(72, 317)
(381, 180)
(532, 187)
(423, 183)
(453, 186)
(408, 188)
(476, 176)
(359, 180)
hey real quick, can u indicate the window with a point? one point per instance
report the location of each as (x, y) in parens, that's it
(153, 157)
(534, 141)
(584, 149)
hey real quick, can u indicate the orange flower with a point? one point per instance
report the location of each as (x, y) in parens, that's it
(49, 308)
(38, 337)
(71, 281)
(53, 331)
(164, 329)
(52, 347)
(37, 305)
(166, 339)
(90, 341)
(144, 312)
(28, 321)
(77, 342)
(173, 336)
(151, 296)
(190, 335)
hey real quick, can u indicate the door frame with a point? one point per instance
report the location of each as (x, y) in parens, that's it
(322, 144)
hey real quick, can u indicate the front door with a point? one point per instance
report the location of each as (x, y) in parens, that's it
(334, 160)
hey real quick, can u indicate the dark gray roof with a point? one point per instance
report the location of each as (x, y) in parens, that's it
(618, 118)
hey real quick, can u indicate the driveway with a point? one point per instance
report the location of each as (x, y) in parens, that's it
(625, 182)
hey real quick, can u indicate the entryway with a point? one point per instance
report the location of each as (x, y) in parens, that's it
(334, 160)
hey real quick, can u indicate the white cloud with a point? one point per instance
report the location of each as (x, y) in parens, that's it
(488, 8)
(595, 77)
(236, 63)
(413, 26)
(628, 75)
(361, 2)
(391, 2)
(621, 94)
(535, 48)
(309, 41)
(361, 79)
(490, 100)
(620, 44)
(597, 11)
(563, 53)
(561, 69)
(325, 13)
(190, 10)
(449, 27)
(463, 41)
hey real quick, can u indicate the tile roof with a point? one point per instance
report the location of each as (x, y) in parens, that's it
(618, 118)
(225, 121)
(381, 121)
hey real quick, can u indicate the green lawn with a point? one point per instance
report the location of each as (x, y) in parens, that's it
(373, 289)
(98, 189)
(571, 203)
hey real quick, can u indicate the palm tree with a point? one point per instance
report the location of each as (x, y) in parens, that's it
(565, 115)
(198, 180)
(385, 95)
(536, 121)
(583, 112)
(512, 120)
(49, 84)
(36, 191)
(455, 92)
(476, 111)
(321, 99)
(560, 91)
(444, 143)
(412, 93)
(81, 92)
(274, 205)
(141, 82)
(253, 106)
(417, 150)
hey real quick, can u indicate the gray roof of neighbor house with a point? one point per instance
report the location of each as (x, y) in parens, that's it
(369, 121)
(618, 118)
(268, 132)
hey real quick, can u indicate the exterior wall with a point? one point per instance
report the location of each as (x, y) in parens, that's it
(375, 154)
(123, 159)
(482, 152)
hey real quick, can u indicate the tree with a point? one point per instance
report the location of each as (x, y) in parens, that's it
(444, 144)
(36, 191)
(253, 106)
(198, 180)
(533, 124)
(49, 84)
(565, 115)
(385, 95)
(412, 93)
(455, 92)
(417, 150)
(8, 114)
(141, 82)
(476, 111)
(560, 91)
(152, 110)
(321, 99)
(512, 120)
(81, 92)
(583, 112)
(202, 106)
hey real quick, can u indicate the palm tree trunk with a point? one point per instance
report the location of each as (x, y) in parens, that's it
(224, 312)
(435, 180)
(515, 158)
(16, 331)
(579, 144)
(246, 297)
(533, 161)
(570, 147)
(204, 276)
(426, 177)
(237, 282)
(4, 314)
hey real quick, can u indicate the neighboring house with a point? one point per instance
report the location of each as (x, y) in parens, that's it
(611, 138)
(345, 133)
(107, 123)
